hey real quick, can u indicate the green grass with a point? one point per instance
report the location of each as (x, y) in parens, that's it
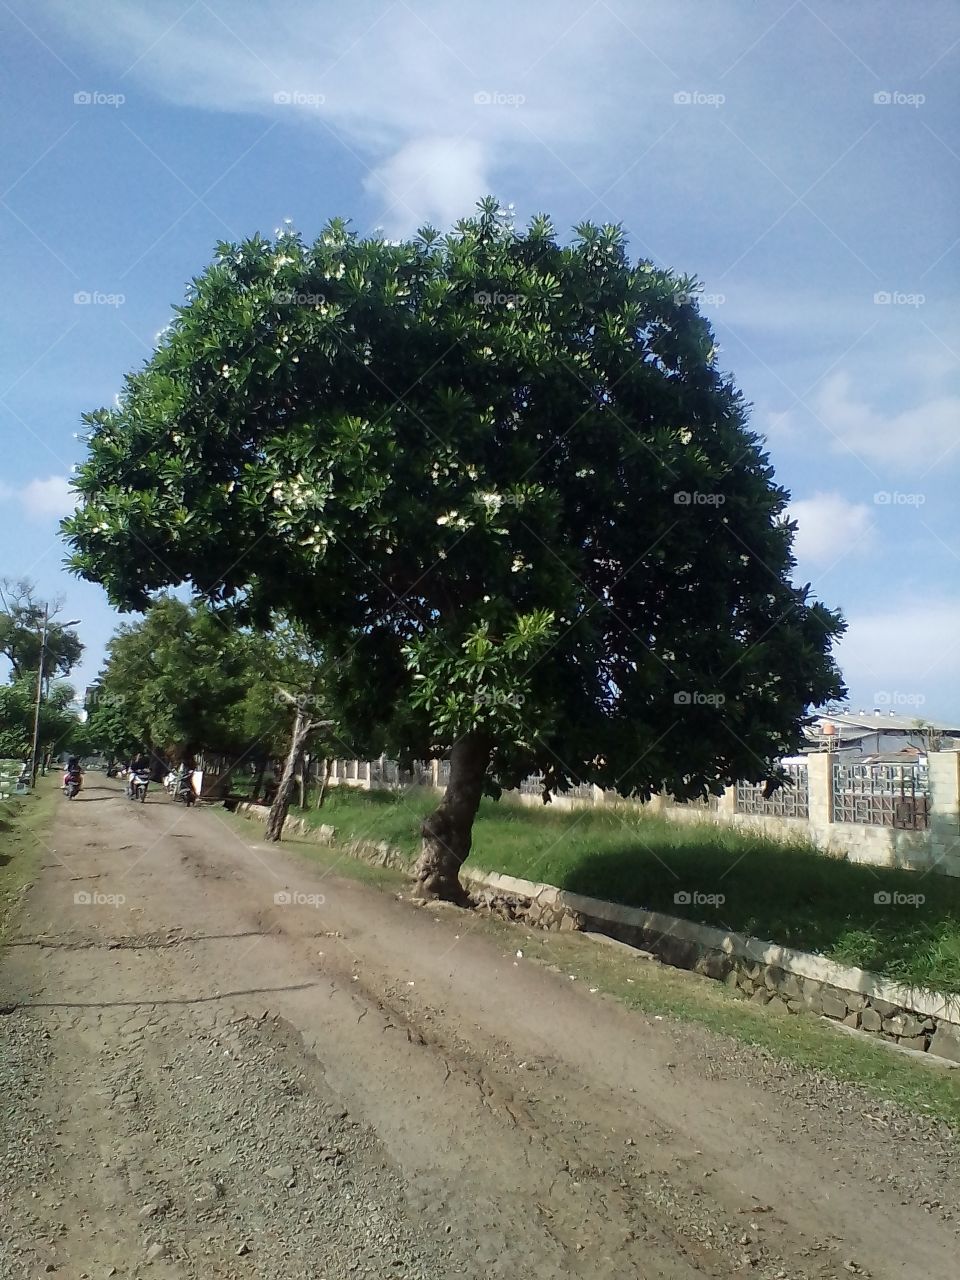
(23, 820)
(788, 893)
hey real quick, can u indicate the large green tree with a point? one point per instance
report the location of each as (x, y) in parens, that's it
(501, 479)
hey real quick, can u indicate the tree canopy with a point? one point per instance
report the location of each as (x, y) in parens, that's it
(184, 680)
(500, 479)
(60, 728)
(21, 624)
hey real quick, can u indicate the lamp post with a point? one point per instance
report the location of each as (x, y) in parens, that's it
(36, 706)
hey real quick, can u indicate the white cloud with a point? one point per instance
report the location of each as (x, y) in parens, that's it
(434, 180)
(386, 74)
(42, 499)
(917, 438)
(573, 84)
(830, 526)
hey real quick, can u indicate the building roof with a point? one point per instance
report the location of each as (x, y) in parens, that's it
(883, 721)
(906, 755)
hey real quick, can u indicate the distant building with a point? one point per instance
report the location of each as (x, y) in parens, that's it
(881, 733)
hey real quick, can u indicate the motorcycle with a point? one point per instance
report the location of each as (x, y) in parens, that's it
(137, 789)
(72, 782)
(183, 791)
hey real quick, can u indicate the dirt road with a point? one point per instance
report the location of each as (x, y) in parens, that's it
(200, 1080)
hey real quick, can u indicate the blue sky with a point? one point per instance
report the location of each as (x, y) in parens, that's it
(800, 158)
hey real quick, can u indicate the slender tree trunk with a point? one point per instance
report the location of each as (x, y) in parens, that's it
(327, 771)
(302, 779)
(448, 831)
(302, 728)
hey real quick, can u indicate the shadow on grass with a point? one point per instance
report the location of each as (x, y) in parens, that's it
(898, 922)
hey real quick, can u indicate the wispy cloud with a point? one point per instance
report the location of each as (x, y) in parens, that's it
(827, 525)
(914, 438)
(433, 180)
(431, 98)
(42, 499)
(910, 651)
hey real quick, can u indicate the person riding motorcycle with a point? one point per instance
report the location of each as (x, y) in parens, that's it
(72, 778)
(139, 772)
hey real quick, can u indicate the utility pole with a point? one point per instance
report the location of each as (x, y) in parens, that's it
(36, 707)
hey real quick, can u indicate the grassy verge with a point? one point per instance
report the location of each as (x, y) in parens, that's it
(22, 820)
(653, 989)
(790, 893)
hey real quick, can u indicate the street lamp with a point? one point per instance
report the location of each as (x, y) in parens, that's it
(36, 707)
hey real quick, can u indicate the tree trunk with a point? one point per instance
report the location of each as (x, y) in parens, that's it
(327, 771)
(303, 778)
(448, 831)
(302, 728)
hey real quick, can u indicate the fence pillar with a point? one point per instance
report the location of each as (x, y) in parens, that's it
(943, 773)
(435, 774)
(365, 773)
(727, 804)
(820, 788)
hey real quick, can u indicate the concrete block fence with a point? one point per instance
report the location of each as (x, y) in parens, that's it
(937, 848)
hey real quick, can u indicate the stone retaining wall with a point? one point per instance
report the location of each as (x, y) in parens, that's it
(762, 972)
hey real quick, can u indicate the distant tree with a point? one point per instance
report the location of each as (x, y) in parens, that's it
(109, 729)
(303, 688)
(931, 737)
(21, 624)
(501, 479)
(174, 681)
(59, 721)
(185, 680)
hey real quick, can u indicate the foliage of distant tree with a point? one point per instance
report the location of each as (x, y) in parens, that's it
(173, 681)
(185, 681)
(21, 623)
(60, 729)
